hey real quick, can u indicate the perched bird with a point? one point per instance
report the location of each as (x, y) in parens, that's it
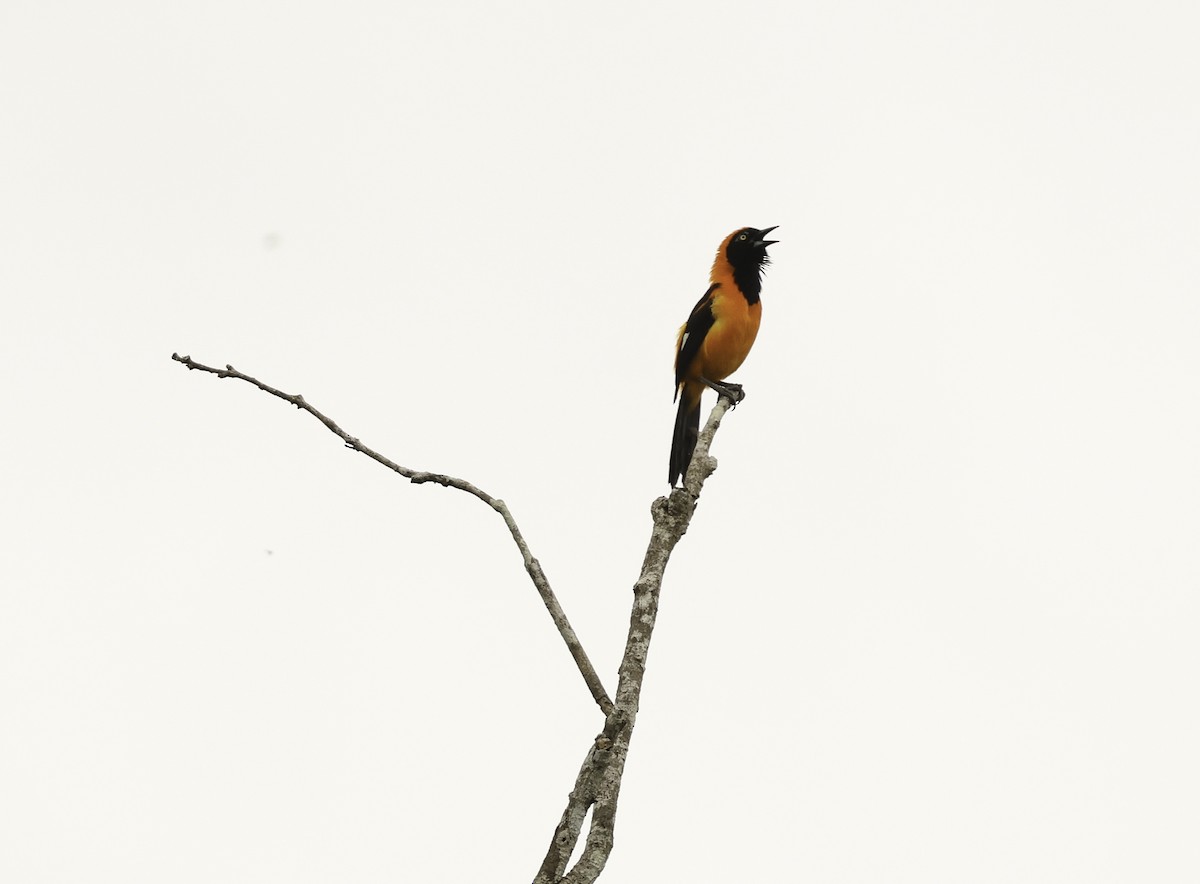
(718, 335)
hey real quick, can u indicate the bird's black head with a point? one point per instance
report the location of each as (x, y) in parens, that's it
(746, 252)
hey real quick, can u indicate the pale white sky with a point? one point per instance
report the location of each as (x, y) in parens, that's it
(936, 619)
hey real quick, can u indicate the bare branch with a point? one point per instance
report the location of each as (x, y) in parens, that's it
(599, 782)
(532, 566)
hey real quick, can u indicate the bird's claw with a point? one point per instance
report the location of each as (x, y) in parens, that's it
(733, 392)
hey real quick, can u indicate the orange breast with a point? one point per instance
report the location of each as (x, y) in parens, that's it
(734, 329)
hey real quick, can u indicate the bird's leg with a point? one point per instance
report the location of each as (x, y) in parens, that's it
(733, 391)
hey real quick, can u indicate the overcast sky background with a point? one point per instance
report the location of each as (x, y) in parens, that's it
(936, 618)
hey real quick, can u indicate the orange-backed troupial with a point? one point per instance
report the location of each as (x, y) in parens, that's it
(718, 335)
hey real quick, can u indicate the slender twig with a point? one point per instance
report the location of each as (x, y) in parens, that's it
(598, 784)
(417, 477)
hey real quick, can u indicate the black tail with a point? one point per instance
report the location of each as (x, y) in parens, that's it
(687, 431)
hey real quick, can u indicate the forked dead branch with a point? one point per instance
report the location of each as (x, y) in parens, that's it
(598, 783)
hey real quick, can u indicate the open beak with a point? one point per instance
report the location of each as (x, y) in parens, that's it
(766, 242)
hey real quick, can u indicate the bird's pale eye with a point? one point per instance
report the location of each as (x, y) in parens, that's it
(743, 236)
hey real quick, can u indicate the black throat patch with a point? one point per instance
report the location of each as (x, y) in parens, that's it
(748, 264)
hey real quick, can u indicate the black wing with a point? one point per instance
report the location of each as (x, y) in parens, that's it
(694, 332)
